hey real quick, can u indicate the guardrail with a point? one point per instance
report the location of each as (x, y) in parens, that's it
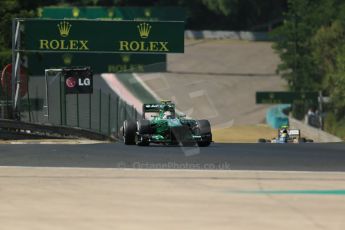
(101, 112)
(21, 127)
(313, 133)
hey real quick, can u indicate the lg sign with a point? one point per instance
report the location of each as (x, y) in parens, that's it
(86, 82)
(78, 80)
(71, 82)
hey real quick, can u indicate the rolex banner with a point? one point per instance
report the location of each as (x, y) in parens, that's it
(44, 35)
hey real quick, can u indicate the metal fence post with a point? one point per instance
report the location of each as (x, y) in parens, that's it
(117, 114)
(46, 73)
(100, 110)
(61, 103)
(109, 98)
(7, 105)
(132, 112)
(77, 109)
(135, 113)
(65, 106)
(14, 74)
(90, 112)
(125, 114)
(63, 113)
(29, 106)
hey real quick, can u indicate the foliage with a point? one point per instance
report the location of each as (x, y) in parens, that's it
(294, 42)
(337, 84)
(335, 126)
(201, 14)
(248, 14)
(329, 54)
(10, 9)
(212, 14)
(311, 44)
(325, 44)
(5, 58)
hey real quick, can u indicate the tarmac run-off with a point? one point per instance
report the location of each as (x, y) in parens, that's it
(84, 198)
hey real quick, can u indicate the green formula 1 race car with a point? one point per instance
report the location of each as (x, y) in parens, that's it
(165, 127)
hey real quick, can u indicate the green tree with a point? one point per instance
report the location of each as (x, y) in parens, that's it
(213, 14)
(337, 79)
(10, 9)
(247, 14)
(326, 44)
(311, 44)
(201, 14)
(294, 42)
(225, 7)
(329, 54)
(335, 119)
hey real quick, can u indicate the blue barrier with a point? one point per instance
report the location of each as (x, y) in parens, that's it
(275, 116)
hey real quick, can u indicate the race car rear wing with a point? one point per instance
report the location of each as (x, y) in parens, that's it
(294, 132)
(156, 108)
(151, 108)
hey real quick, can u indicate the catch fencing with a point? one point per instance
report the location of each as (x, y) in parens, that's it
(45, 102)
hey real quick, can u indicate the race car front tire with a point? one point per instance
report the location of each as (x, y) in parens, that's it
(129, 132)
(204, 130)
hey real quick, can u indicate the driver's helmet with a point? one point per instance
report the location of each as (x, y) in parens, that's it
(283, 134)
(167, 114)
(284, 129)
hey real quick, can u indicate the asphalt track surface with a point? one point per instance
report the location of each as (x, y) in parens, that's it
(280, 157)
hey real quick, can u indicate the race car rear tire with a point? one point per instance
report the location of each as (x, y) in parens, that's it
(262, 140)
(204, 130)
(129, 132)
(302, 140)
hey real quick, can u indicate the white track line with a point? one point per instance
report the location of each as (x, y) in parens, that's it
(175, 170)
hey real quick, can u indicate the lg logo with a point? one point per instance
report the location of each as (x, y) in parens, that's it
(71, 82)
(85, 82)
(78, 80)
